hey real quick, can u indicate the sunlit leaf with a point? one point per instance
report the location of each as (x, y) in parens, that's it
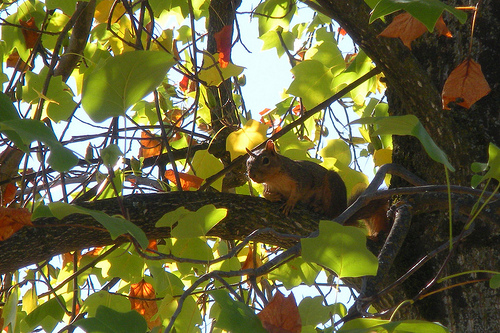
(295, 272)
(312, 83)
(271, 40)
(249, 136)
(213, 74)
(465, 85)
(207, 165)
(198, 223)
(274, 13)
(338, 149)
(340, 248)
(121, 81)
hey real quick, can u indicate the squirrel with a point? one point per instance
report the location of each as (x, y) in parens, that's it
(308, 183)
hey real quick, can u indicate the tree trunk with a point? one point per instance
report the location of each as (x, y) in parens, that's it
(415, 79)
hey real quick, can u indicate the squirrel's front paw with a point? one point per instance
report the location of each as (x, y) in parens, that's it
(287, 208)
(272, 196)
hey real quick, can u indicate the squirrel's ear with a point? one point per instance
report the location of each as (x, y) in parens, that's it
(250, 152)
(270, 146)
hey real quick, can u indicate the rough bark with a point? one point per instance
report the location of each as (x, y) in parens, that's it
(414, 79)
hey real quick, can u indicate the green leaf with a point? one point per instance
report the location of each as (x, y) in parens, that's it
(48, 315)
(235, 316)
(340, 248)
(361, 325)
(426, 11)
(338, 149)
(59, 104)
(108, 320)
(495, 281)
(314, 312)
(112, 301)
(115, 225)
(121, 81)
(312, 83)
(272, 40)
(9, 112)
(24, 131)
(189, 318)
(199, 223)
(125, 265)
(275, 13)
(295, 272)
(9, 313)
(170, 218)
(207, 165)
(30, 300)
(67, 6)
(493, 165)
(328, 53)
(408, 125)
(110, 155)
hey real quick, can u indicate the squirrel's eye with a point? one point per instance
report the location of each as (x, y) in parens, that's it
(265, 161)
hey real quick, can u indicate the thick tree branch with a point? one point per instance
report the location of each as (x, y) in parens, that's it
(245, 215)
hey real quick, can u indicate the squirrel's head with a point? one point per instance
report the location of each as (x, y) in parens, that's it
(262, 163)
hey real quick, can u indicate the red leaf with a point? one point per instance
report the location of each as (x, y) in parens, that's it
(30, 36)
(281, 315)
(341, 31)
(465, 85)
(187, 180)
(223, 39)
(405, 27)
(184, 84)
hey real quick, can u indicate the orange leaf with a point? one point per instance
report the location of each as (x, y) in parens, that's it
(142, 297)
(153, 245)
(187, 180)
(442, 29)
(95, 251)
(13, 219)
(12, 61)
(223, 38)
(30, 36)
(8, 194)
(68, 257)
(265, 112)
(150, 145)
(465, 85)
(281, 315)
(405, 27)
(341, 31)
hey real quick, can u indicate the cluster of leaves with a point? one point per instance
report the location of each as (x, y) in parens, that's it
(161, 84)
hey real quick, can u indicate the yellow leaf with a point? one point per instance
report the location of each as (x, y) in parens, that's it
(206, 165)
(252, 134)
(382, 156)
(213, 74)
